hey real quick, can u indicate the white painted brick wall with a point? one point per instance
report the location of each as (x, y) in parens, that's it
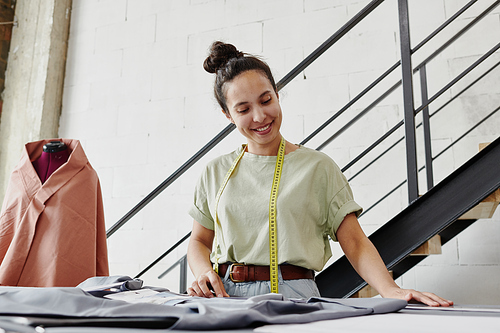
(138, 99)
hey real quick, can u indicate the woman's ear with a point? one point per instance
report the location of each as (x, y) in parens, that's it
(228, 116)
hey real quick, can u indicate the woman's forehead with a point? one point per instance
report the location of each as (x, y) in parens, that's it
(248, 84)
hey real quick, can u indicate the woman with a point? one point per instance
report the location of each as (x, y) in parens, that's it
(272, 187)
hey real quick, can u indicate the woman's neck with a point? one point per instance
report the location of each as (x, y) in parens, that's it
(271, 149)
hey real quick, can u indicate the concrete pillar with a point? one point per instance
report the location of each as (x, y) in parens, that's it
(6, 24)
(34, 79)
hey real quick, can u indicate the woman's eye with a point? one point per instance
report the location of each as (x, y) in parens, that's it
(267, 101)
(243, 111)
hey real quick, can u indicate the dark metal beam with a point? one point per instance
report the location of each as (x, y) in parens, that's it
(329, 42)
(429, 215)
(354, 100)
(173, 247)
(459, 77)
(444, 25)
(446, 235)
(357, 117)
(409, 111)
(137, 208)
(427, 128)
(427, 39)
(462, 31)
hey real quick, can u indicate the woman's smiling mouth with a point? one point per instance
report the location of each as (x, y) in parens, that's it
(263, 129)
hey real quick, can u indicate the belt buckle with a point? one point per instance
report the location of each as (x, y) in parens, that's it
(231, 272)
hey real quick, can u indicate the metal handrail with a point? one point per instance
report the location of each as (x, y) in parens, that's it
(459, 77)
(393, 67)
(398, 125)
(298, 70)
(433, 98)
(467, 132)
(435, 157)
(195, 158)
(479, 78)
(329, 42)
(359, 116)
(182, 262)
(351, 102)
(444, 25)
(460, 33)
(396, 65)
(229, 128)
(173, 247)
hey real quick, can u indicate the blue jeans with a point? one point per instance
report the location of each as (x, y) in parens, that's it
(302, 288)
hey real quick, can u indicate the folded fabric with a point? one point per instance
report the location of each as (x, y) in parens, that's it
(73, 306)
(99, 285)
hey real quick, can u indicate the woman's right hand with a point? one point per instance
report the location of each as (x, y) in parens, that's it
(207, 284)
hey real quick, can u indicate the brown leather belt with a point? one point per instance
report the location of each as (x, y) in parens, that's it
(247, 273)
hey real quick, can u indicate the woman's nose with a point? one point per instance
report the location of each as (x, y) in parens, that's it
(259, 115)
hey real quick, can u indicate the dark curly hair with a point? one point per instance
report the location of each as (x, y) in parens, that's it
(226, 62)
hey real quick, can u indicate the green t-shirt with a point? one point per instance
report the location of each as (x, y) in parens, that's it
(313, 199)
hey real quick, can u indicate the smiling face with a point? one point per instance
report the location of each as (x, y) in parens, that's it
(254, 108)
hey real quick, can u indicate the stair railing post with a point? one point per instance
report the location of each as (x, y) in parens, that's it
(183, 275)
(409, 112)
(426, 127)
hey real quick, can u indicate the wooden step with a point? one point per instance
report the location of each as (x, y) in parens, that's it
(367, 291)
(432, 246)
(486, 208)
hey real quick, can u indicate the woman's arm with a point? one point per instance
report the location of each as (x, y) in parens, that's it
(366, 260)
(198, 255)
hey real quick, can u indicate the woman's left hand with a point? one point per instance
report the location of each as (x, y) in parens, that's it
(422, 297)
(366, 260)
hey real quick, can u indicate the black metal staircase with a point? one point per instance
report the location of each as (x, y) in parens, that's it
(435, 212)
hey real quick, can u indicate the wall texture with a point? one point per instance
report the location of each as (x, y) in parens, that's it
(34, 79)
(137, 97)
(6, 15)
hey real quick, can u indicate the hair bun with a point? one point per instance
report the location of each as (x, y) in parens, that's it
(220, 54)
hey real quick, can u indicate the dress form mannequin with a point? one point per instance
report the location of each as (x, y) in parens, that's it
(52, 234)
(55, 154)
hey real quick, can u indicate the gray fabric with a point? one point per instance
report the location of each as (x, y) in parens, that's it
(192, 314)
(376, 304)
(275, 309)
(73, 302)
(99, 285)
(97, 282)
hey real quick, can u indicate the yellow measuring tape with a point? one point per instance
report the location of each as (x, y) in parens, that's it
(217, 198)
(273, 235)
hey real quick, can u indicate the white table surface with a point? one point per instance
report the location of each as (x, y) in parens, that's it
(414, 319)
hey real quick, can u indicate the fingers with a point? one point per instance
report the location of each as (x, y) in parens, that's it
(207, 285)
(426, 298)
(197, 289)
(217, 285)
(420, 297)
(417, 296)
(434, 300)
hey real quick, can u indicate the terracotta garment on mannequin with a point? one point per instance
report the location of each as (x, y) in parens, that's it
(52, 234)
